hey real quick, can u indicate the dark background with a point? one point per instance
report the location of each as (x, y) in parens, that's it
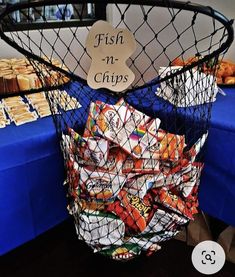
(59, 253)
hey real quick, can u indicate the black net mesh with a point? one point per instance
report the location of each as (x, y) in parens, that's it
(133, 159)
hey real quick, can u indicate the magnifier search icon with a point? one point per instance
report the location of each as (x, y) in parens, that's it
(208, 257)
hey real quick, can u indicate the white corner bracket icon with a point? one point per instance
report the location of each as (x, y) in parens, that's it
(208, 257)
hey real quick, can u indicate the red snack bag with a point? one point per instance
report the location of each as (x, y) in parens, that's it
(140, 165)
(91, 128)
(195, 149)
(94, 151)
(192, 200)
(72, 178)
(110, 121)
(168, 147)
(137, 209)
(91, 205)
(191, 179)
(124, 215)
(100, 185)
(150, 132)
(164, 221)
(90, 150)
(184, 164)
(173, 202)
(115, 160)
(139, 185)
(98, 108)
(172, 145)
(124, 126)
(133, 211)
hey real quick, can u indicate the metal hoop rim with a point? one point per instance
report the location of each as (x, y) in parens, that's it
(206, 10)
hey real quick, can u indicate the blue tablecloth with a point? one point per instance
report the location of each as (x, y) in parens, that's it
(32, 197)
(217, 189)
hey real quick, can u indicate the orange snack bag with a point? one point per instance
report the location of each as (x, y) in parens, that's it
(168, 147)
(136, 208)
(174, 203)
(100, 185)
(115, 160)
(140, 165)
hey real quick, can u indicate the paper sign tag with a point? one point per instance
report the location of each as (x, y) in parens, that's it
(109, 49)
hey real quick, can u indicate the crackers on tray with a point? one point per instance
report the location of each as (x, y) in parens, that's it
(28, 108)
(18, 75)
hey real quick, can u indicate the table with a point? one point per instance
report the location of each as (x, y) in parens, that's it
(32, 196)
(217, 190)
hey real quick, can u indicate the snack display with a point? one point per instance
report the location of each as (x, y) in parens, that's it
(190, 88)
(126, 201)
(28, 108)
(225, 71)
(19, 111)
(66, 101)
(39, 103)
(3, 119)
(18, 75)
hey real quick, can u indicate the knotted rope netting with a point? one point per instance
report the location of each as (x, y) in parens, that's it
(133, 159)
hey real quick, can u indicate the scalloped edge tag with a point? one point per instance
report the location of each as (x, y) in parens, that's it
(109, 49)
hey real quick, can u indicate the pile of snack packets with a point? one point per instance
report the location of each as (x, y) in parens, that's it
(23, 109)
(18, 75)
(132, 184)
